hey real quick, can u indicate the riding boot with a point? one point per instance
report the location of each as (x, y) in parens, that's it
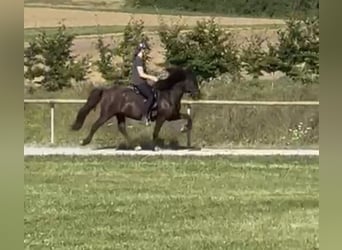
(148, 118)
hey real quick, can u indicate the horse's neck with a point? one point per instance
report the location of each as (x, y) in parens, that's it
(175, 94)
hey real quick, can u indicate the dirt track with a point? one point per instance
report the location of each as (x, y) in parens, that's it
(45, 151)
(49, 17)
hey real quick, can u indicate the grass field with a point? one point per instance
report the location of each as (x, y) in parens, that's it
(49, 17)
(86, 4)
(214, 126)
(171, 203)
(114, 6)
(30, 33)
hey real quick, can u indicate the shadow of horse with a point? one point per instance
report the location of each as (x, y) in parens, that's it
(147, 144)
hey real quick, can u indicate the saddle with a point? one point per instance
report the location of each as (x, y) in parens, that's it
(154, 107)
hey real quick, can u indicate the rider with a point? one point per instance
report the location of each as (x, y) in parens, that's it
(140, 79)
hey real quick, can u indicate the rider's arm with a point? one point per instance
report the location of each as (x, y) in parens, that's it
(142, 74)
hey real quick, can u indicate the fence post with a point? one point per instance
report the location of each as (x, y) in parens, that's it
(188, 132)
(52, 123)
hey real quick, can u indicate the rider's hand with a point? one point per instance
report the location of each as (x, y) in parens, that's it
(155, 79)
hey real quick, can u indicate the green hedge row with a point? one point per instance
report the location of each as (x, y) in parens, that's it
(269, 8)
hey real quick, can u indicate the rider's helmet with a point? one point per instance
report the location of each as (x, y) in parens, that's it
(143, 45)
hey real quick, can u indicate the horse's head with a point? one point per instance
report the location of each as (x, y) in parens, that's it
(191, 84)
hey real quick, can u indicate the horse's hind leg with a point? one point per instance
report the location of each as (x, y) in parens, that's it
(122, 127)
(157, 127)
(97, 124)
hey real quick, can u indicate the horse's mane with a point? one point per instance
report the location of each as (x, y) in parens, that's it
(176, 75)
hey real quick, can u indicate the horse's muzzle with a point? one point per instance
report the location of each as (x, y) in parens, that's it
(195, 95)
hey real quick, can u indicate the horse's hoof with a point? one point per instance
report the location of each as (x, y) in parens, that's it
(184, 129)
(137, 148)
(83, 142)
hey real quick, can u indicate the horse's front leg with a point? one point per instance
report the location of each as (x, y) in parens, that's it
(157, 127)
(188, 125)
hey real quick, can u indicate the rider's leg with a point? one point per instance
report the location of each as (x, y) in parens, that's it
(146, 91)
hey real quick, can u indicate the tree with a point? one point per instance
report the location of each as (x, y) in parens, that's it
(133, 35)
(253, 56)
(123, 51)
(208, 49)
(110, 72)
(298, 49)
(50, 59)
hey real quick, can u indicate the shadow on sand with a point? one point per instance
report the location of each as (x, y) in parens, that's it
(148, 145)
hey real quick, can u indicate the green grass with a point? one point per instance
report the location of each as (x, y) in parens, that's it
(214, 126)
(171, 203)
(31, 33)
(113, 4)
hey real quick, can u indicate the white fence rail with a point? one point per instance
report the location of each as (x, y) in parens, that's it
(188, 103)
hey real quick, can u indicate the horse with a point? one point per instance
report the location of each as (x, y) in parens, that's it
(126, 101)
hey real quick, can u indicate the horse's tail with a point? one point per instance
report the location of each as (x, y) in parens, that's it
(92, 101)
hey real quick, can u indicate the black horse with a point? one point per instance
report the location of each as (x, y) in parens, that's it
(125, 102)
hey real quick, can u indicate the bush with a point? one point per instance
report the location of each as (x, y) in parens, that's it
(296, 54)
(208, 49)
(110, 72)
(133, 35)
(211, 51)
(271, 62)
(49, 58)
(253, 56)
(123, 52)
(298, 49)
